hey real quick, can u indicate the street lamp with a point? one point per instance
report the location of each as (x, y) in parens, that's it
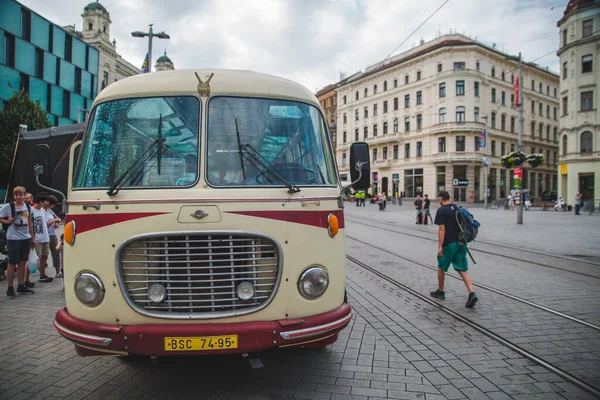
(521, 128)
(150, 34)
(487, 161)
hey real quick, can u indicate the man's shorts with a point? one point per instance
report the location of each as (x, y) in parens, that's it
(18, 250)
(42, 249)
(425, 212)
(456, 255)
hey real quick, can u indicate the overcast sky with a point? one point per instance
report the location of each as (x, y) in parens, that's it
(311, 41)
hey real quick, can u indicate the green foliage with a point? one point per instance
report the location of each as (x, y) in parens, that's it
(513, 159)
(20, 109)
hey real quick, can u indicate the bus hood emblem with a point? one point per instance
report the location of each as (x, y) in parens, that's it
(199, 214)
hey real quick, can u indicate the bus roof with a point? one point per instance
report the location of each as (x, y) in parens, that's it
(224, 82)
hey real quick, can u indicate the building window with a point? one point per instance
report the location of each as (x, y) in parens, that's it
(503, 98)
(541, 131)
(503, 122)
(366, 112)
(441, 178)
(554, 92)
(356, 95)
(548, 112)
(547, 90)
(477, 144)
(366, 132)
(493, 147)
(105, 79)
(502, 148)
(586, 142)
(356, 115)
(375, 130)
(459, 66)
(418, 75)
(512, 147)
(375, 109)
(503, 75)
(442, 145)
(554, 113)
(343, 159)
(419, 97)
(493, 72)
(460, 114)
(384, 86)
(385, 108)
(375, 89)
(385, 128)
(344, 100)
(512, 100)
(586, 63)
(476, 89)
(395, 152)
(555, 135)
(532, 128)
(564, 145)
(419, 121)
(540, 87)
(442, 89)
(564, 37)
(477, 65)
(565, 105)
(587, 28)
(541, 109)
(395, 83)
(419, 149)
(406, 79)
(533, 107)
(366, 91)
(493, 95)
(460, 88)
(548, 132)
(407, 150)
(356, 135)
(396, 125)
(385, 153)
(344, 137)
(494, 120)
(564, 74)
(406, 100)
(375, 154)
(512, 78)
(442, 114)
(395, 103)
(407, 124)
(512, 124)
(533, 85)
(554, 159)
(476, 114)
(413, 182)
(440, 67)
(345, 118)
(460, 143)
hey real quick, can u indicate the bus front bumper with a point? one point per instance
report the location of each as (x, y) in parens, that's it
(149, 339)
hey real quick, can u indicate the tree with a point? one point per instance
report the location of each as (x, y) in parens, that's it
(20, 109)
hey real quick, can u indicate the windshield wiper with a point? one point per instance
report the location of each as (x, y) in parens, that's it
(254, 157)
(135, 168)
(237, 132)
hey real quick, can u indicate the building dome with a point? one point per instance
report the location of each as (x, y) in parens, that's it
(95, 6)
(164, 59)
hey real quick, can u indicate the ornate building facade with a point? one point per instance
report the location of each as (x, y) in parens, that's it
(422, 113)
(580, 99)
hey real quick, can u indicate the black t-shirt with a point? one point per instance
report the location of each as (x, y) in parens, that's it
(427, 203)
(446, 215)
(418, 203)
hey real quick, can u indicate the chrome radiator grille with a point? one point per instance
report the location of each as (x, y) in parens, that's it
(200, 273)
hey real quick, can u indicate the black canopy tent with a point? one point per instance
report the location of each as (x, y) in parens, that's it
(48, 147)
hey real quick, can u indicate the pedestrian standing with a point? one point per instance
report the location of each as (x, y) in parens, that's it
(450, 250)
(19, 240)
(511, 202)
(53, 221)
(426, 210)
(42, 239)
(419, 207)
(577, 203)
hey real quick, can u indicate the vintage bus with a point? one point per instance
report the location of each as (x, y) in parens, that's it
(205, 217)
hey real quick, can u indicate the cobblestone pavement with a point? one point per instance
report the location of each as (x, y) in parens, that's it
(396, 347)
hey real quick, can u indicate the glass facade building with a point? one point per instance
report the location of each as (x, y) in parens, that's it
(49, 63)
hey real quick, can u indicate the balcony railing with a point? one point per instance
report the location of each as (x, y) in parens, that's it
(457, 156)
(458, 126)
(388, 137)
(382, 163)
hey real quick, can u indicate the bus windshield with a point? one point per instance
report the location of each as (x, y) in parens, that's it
(267, 142)
(141, 142)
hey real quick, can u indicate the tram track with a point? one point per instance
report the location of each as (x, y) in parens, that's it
(481, 285)
(473, 249)
(483, 330)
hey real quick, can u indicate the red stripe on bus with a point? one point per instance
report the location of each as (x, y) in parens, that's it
(313, 218)
(88, 222)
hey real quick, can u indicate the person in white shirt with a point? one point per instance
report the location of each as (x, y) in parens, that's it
(53, 222)
(42, 238)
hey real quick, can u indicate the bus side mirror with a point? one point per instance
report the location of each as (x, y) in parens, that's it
(360, 168)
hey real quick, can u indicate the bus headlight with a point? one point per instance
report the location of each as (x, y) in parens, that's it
(89, 289)
(313, 282)
(157, 293)
(245, 291)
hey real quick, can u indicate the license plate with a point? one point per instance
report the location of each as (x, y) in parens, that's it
(201, 343)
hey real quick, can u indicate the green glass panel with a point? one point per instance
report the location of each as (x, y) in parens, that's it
(77, 103)
(78, 53)
(49, 68)
(39, 32)
(10, 16)
(86, 84)
(24, 56)
(1, 46)
(93, 61)
(57, 100)
(67, 75)
(10, 82)
(51, 118)
(64, 121)
(38, 90)
(58, 42)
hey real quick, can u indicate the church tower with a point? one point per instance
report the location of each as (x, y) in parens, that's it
(96, 23)
(164, 63)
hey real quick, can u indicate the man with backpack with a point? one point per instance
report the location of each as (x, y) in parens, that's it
(16, 219)
(451, 249)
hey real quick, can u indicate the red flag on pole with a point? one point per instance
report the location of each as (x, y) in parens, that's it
(516, 86)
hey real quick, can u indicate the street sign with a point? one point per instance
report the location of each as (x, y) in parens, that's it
(460, 182)
(518, 173)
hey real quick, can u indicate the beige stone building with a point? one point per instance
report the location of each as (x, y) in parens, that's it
(422, 113)
(96, 32)
(580, 99)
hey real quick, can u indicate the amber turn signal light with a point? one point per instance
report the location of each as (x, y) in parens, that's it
(333, 225)
(70, 232)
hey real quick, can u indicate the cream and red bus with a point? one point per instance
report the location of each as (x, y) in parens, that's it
(205, 217)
